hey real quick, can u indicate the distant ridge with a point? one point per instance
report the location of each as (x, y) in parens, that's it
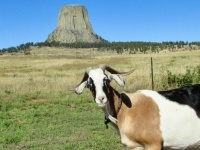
(73, 26)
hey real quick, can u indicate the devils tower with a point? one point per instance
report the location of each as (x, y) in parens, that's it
(73, 26)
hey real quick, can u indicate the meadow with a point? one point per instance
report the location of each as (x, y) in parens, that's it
(37, 110)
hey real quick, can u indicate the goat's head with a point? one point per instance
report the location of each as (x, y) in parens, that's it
(98, 82)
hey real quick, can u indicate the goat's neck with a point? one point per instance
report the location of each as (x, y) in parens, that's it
(113, 102)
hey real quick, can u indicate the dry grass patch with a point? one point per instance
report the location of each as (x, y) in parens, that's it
(49, 67)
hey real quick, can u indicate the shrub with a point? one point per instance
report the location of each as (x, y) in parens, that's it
(191, 76)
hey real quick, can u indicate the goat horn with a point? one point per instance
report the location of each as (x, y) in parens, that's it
(113, 71)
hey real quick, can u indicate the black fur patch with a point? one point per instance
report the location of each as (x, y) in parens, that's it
(91, 86)
(187, 95)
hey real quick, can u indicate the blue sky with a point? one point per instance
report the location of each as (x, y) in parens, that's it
(23, 21)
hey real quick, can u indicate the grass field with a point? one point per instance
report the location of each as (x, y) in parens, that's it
(38, 112)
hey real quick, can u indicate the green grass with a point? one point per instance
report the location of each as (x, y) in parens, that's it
(61, 121)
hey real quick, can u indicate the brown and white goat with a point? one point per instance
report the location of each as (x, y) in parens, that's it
(147, 120)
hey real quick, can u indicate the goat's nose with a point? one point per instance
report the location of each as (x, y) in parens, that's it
(101, 98)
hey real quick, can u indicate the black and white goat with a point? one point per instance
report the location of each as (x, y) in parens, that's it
(147, 120)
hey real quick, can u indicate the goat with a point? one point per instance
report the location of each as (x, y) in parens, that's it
(146, 119)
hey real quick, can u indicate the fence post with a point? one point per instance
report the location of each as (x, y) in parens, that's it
(152, 82)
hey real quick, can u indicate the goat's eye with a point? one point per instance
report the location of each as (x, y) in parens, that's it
(89, 84)
(106, 81)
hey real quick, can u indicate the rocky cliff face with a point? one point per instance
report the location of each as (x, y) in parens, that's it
(73, 26)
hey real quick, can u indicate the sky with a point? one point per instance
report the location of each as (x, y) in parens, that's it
(23, 21)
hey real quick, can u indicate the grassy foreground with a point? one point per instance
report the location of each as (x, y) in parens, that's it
(38, 112)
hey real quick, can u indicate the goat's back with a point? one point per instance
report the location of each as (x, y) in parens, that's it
(179, 124)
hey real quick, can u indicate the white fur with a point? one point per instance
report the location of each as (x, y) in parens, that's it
(179, 124)
(81, 87)
(118, 78)
(97, 75)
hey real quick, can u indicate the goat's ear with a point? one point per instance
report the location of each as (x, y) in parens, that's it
(79, 89)
(118, 78)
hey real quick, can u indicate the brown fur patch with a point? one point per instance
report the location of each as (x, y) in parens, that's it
(141, 122)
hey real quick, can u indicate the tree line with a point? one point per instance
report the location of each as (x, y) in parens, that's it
(119, 47)
(22, 47)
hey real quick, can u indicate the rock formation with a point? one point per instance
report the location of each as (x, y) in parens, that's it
(73, 26)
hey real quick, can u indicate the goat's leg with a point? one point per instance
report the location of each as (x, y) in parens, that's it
(136, 148)
(154, 147)
(139, 148)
